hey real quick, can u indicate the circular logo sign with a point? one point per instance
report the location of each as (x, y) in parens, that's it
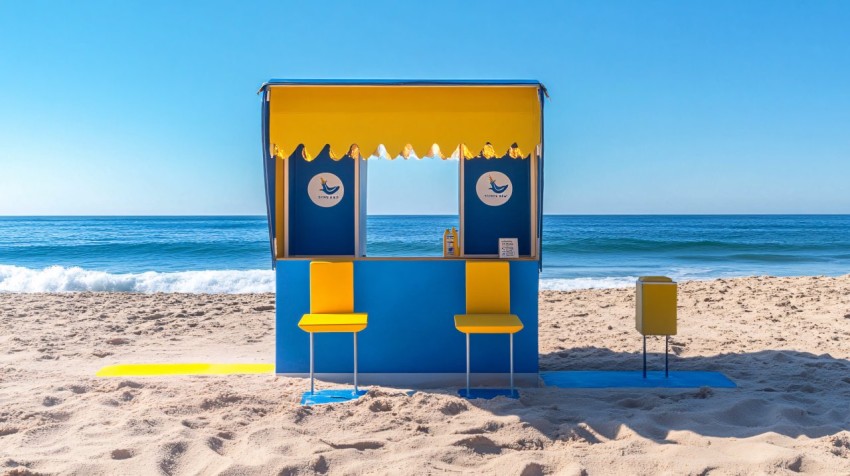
(494, 188)
(325, 189)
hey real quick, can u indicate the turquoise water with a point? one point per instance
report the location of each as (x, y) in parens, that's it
(231, 254)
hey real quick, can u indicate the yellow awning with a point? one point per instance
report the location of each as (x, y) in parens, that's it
(497, 119)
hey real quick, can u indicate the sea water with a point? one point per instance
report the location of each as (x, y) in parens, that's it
(232, 255)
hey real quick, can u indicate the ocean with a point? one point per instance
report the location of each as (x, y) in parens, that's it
(207, 254)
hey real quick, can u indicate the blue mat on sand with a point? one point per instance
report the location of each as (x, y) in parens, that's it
(634, 379)
(488, 393)
(322, 397)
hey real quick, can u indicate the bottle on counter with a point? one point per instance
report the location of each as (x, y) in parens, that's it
(456, 243)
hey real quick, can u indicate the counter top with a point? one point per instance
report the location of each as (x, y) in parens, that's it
(403, 258)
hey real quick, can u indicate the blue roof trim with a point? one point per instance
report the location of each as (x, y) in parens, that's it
(403, 82)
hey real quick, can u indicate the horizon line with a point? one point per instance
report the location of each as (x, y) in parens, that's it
(422, 215)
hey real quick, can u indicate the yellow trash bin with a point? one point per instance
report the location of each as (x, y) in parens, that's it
(655, 312)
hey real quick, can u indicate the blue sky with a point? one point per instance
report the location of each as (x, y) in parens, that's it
(657, 107)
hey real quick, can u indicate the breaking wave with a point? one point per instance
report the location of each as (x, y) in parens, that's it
(59, 279)
(73, 279)
(571, 284)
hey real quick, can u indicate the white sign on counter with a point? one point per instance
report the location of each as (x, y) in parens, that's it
(508, 248)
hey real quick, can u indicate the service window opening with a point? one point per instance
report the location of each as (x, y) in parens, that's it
(410, 204)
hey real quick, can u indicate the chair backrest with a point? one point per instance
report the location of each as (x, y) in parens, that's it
(488, 287)
(331, 287)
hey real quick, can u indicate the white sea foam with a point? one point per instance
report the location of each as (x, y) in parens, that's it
(55, 279)
(572, 284)
(74, 279)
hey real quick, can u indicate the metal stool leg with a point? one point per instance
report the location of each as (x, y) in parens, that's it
(512, 363)
(644, 356)
(467, 365)
(312, 387)
(355, 362)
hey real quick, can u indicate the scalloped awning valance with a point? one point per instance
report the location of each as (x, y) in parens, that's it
(487, 152)
(406, 120)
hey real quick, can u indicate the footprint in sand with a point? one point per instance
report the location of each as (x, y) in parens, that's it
(122, 454)
(453, 408)
(215, 444)
(321, 465)
(381, 406)
(193, 424)
(171, 454)
(50, 401)
(480, 444)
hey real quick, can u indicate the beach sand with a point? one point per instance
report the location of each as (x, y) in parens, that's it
(784, 341)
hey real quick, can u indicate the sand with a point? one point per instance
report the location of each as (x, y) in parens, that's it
(783, 340)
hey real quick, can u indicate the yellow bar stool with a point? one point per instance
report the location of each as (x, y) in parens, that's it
(488, 307)
(332, 307)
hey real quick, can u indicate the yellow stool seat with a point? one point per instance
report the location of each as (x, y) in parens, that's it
(332, 306)
(488, 307)
(347, 322)
(488, 323)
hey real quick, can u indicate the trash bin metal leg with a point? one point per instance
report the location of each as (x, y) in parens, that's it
(644, 356)
(312, 387)
(666, 359)
(355, 362)
(512, 363)
(467, 364)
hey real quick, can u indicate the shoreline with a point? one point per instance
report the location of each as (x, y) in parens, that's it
(783, 340)
(18, 279)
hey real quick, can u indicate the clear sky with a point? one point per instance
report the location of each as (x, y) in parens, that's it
(149, 107)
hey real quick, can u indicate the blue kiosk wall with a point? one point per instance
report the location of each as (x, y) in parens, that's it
(411, 321)
(484, 224)
(316, 230)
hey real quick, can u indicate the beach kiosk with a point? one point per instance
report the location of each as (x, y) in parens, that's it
(318, 138)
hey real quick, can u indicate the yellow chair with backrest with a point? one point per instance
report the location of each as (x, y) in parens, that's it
(332, 306)
(488, 306)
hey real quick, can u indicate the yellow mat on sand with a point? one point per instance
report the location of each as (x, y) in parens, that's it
(154, 370)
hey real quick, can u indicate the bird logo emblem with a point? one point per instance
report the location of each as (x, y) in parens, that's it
(326, 189)
(496, 187)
